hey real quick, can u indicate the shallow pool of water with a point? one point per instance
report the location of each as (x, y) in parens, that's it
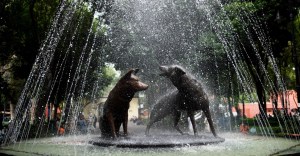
(234, 144)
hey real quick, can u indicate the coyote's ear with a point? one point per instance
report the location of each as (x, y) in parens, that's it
(179, 71)
(136, 70)
(129, 73)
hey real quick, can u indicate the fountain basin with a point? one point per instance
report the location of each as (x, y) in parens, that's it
(234, 144)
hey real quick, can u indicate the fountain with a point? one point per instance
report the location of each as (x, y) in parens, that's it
(69, 69)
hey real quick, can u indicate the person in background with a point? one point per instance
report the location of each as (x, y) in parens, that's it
(81, 124)
(94, 120)
(244, 128)
(61, 130)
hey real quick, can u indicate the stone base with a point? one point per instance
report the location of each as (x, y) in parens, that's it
(157, 141)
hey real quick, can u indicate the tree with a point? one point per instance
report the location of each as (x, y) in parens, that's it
(19, 37)
(63, 64)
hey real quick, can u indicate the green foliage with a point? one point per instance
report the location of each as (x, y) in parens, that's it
(255, 19)
(23, 30)
(109, 73)
(181, 33)
(22, 25)
(108, 76)
(247, 98)
(279, 126)
(210, 47)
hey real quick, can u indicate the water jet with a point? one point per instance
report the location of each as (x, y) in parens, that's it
(199, 35)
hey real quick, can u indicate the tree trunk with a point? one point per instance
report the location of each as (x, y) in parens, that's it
(12, 109)
(230, 96)
(258, 79)
(261, 99)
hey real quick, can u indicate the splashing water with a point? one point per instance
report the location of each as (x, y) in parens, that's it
(143, 34)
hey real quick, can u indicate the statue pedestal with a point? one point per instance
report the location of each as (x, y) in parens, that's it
(156, 141)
